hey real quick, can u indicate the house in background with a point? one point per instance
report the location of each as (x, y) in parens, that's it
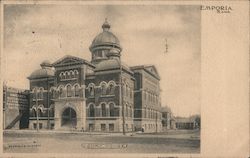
(186, 123)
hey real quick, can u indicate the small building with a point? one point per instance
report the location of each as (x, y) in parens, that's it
(168, 120)
(15, 108)
(185, 123)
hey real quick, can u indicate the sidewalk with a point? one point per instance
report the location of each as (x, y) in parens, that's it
(63, 132)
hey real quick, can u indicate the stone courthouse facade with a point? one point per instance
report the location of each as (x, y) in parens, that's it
(101, 95)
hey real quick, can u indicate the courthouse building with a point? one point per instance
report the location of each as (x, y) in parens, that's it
(101, 95)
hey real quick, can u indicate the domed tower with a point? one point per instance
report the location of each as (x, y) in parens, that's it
(45, 71)
(103, 43)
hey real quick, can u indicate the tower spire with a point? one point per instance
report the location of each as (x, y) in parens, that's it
(106, 26)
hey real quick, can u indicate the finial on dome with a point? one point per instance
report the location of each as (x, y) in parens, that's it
(106, 25)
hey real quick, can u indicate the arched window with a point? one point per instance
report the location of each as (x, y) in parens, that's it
(62, 75)
(111, 110)
(69, 94)
(76, 73)
(131, 93)
(126, 114)
(103, 106)
(34, 94)
(124, 89)
(33, 112)
(111, 88)
(77, 91)
(91, 89)
(67, 75)
(72, 74)
(131, 111)
(103, 88)
(61, 92)
(40, 94)
(91, 111)
(127, 90)
(51, 110)
(53, 93)
(39, 112)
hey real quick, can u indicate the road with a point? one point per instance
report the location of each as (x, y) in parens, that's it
(66, 142)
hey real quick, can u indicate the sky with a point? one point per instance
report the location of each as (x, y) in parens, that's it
(34, 33)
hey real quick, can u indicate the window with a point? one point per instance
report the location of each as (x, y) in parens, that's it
(34, 126)
(91, 127)
(103, 88)
(52, 125)
(111, 110)
(131, 93)
(98, 54)
(33, 113)
(91, 90)
(103, 106)
(127, 90)
(62, 75)
(126, 114)
(91, 111)
(39, 112)
(40, 94)
(72, 74)
(76, 73)
(131, 111)
(53, 93)
(67, 75)
(111, 88)
(61, 92)
(77, 90)
(40, 125)
(124, 89)
(69, 91)
(111, 127)
(103, 127)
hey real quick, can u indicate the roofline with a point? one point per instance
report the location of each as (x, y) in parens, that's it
(143, 67)
(70, 56)
(49, 77)
(123, 68)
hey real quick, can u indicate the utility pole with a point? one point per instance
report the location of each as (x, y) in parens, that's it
(37, 127)
(48, 108)
(166, 46)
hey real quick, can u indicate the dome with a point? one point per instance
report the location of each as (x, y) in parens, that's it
(110, 64)
(46, 63)
(106, 39)
(42, 73)
(45, 71)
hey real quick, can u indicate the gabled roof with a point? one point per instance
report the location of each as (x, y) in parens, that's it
(151, 69)
(71, 60)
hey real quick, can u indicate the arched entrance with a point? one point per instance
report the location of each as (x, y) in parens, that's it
(69, 118)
